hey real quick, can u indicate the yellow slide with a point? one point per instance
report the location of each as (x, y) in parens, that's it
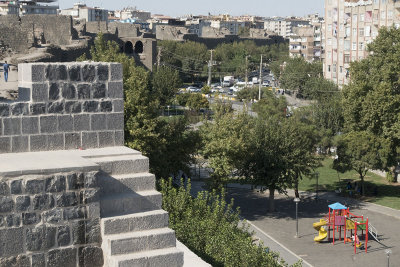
(321, 230)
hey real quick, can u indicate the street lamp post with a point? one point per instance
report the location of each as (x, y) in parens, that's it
(388, 252)
(316, 188)
(168, 110)
(297, 200)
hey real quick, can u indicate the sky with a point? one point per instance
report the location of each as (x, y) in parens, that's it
(265, 8)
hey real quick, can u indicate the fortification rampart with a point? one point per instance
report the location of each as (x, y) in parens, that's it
(64, 106)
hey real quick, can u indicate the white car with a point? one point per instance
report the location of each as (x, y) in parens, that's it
(193, 89)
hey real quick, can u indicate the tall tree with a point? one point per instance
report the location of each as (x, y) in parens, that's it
(372, 99)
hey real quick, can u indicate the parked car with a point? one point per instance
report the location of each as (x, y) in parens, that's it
(193, 89)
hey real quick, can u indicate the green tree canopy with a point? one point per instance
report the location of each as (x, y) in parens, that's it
(372, 99)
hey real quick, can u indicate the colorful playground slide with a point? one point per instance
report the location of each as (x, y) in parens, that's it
(322, 233)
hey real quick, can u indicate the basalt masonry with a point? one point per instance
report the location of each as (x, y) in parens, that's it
(64, 106)
(50, 220)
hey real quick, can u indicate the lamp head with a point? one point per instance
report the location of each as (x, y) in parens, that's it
(296, 200)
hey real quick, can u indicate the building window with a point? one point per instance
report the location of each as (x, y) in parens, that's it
(354, 32)
(354, 46)
(390, 14)
(361, 32)
(354, 18)
(346, 58)
(346, 45)
(340, 69)
(329, 41)
(361, 46)
(329, 54)
(383, 15)
(362, 17)
(329, 68)
(329, 27)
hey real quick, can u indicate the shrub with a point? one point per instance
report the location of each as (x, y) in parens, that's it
(209, 226)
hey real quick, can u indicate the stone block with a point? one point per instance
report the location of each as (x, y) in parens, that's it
(91, 256)
(115, 90)
(73, 107)
(38, 260)
(66, 199)
(35, 186)
(118, 105)
(63, 235)
(11, 240)
(99, 90)
(78, 232)
(37, 72)
(31, 218)
(84, 91)
(16, 187)
(93, 233)
(106, 106)
(89, 140)
(12, 126)
(98, 122)
(13, 220)
(24, 94)
(16, 261)
(30, 125)
(115, 121)
(55, 107)
(62, 257)
(6, 204)
(43, 202)
(40, 238)
(75, 181)
(102, 72)
(72, 141)
(4, 189)
(119, 138)
(55, 142)
(38, 108)
(20, 144)
(106, 139)
(5, 144)
(38, 143)
(74, 213)
(66, 123)
(20, 109)
(4, 110)
(88, 73)
(53, 216)
(91, 179)
(48, 124)
(54, 91)
(40, 92)
(69, 91)
(56, 72)
(56, 183)
(116, 72)
(90, 106)
(93, 210)
(22, 203)
(74, 73)
(90, 196)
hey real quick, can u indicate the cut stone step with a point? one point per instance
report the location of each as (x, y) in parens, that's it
(128, 203)
(169, 257)
(123, 164)
(125, 183)
(134, 222)
(126, 243)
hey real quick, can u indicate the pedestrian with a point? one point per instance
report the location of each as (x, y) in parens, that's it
(6, 69)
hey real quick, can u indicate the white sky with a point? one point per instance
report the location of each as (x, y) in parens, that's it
(266, 8)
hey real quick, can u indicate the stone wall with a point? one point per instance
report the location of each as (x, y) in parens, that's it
(64, 106)
(27, 31)
(53, 219)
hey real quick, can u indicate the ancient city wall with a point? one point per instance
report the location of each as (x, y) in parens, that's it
(53, 219)
(22, 33)
(64, 106)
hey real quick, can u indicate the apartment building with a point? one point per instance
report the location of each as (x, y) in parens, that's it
(81, 11)
(284, 26)
(9, 8)
(350, 25)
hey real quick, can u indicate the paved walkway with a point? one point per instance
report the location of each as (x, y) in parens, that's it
(11, 85)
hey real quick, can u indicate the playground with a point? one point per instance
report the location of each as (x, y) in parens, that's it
(349, 220)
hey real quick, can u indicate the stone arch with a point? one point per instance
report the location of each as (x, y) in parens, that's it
(128, 47)
(139, 47)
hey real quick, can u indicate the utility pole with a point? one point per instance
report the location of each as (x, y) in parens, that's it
(259, 81)
(210, 64)
(246, 79)
(159, 56)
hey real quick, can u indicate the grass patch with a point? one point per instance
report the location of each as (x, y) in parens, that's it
(378, 189)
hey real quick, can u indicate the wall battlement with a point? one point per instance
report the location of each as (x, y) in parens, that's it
(64, 106)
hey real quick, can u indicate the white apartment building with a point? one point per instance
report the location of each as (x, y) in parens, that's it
(232, 25)
(350, 25)
(9, 8)
(284, 26)
(31, 7)
(81, 11)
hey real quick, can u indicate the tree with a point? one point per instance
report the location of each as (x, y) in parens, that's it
(270, 105)
(360, 151)
(244, 31)
(166, 83)
(196, 102)
(372, 99)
